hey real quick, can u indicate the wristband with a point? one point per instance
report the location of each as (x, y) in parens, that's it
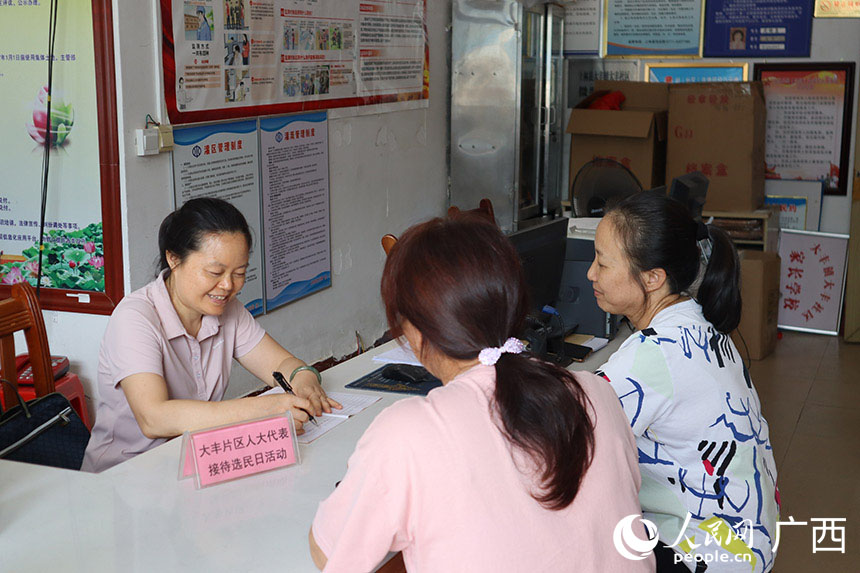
(309, 369)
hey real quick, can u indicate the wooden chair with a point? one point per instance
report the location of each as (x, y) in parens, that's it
(388, 242)
(22, 312)
(485, 209)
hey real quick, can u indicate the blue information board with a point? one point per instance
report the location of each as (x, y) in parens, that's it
(753, 28)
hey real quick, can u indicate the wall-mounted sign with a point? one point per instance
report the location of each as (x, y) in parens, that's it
(682, 73)
(808, 134)
(758, 28)
(245, 58)
(837, 8)
(583, 21)
(653, 28)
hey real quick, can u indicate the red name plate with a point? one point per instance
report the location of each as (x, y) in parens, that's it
(230, 452)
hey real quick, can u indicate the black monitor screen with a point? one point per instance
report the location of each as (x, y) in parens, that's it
(541, 250)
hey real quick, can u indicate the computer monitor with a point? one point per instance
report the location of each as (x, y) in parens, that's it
(690, 189)
(541, 249)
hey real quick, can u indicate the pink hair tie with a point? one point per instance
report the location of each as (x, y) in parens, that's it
(489, 356)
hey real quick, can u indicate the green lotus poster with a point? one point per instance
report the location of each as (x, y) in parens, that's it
(73, 255)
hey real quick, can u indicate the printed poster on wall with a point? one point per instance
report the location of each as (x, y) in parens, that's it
(812, 277)
(239, 58)
(758, 28)
(807, 135)
(583, 20)
(653, 28)
(73, 256)
(222, 161)
(295, 206)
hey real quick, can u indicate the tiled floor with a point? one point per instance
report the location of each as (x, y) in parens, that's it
(810, 393)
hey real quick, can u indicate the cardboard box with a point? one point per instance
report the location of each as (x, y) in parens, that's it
(719, 129)
(634, 136)
(760, 303)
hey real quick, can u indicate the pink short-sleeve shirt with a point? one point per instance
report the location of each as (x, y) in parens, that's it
(145, 334)
(434, 477)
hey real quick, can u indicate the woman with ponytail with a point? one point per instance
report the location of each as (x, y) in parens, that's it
(708, 473)
(514, 464)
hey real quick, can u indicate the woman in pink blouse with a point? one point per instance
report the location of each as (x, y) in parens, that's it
(514, 464)
(166, 355)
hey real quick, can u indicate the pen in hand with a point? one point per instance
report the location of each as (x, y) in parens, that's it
(279, 378)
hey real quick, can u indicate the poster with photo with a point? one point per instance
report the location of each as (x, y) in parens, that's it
(758, 28)
(239, 58)
(222, 161)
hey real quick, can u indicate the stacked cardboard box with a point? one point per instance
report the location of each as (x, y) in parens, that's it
(634, 136)
(719, 129)
(760, 308)
(715, 128)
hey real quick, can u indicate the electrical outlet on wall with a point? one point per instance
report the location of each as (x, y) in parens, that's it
(146, 141)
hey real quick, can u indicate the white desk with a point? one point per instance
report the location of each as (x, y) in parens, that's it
(138, 517)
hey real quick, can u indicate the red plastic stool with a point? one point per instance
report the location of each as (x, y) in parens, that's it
(69, 385)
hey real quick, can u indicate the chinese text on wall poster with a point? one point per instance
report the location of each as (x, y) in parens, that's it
(811, 278)
(234, 58)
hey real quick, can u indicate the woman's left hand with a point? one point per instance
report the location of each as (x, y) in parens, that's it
(305, 385)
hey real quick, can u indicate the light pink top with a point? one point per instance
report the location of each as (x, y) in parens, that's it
(144, 334)
(434, 477)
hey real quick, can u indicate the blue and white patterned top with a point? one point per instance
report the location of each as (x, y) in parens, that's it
(703, 443)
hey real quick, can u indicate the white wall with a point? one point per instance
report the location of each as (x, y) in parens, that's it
(387, 171)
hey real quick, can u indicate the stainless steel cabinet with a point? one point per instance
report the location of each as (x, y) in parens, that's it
(506, 109)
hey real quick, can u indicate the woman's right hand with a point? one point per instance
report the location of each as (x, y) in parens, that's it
(298, 407)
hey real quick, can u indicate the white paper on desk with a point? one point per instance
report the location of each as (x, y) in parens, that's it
(324, 423)
(596, 343)
(398, 355)
(352, 405)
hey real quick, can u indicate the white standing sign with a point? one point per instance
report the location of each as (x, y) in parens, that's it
(812, 278)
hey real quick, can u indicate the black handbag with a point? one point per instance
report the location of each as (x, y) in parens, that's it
(45, 431)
